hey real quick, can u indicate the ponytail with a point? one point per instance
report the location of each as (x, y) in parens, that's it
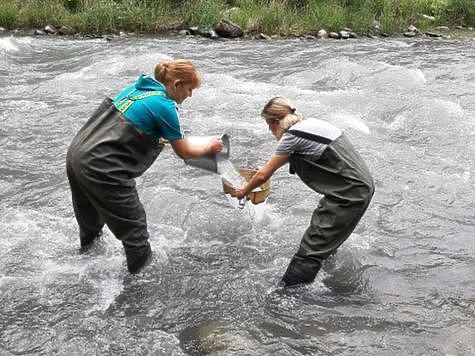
(179, 69)
(281, 109)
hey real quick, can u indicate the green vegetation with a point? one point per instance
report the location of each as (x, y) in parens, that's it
(284, 17)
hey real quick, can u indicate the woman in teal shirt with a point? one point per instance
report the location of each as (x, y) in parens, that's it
(119, 143)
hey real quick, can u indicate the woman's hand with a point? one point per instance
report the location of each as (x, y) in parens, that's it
(238, 192)
(215, 145)
(260, 175)
(185, 150)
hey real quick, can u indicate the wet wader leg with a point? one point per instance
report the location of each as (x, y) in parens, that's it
(330, 226)
(89, 219)
(125, 216)
(342, 176)
(105, 157)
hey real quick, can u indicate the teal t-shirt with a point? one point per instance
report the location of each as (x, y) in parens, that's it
(155, 116)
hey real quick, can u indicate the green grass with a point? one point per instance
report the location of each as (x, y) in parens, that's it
(9, 16)
(204, 13)
(284, 17)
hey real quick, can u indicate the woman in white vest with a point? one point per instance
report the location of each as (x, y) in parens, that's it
(323, 158)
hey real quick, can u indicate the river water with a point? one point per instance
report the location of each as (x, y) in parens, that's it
(403, 284)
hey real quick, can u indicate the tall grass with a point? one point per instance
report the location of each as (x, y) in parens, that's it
(9, 15)
(460, 11)
(273, 17)
(329, 15)
(38, 13)
(205, 13)
(269, 16)
(109, 16)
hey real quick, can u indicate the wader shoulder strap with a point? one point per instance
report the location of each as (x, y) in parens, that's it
(124, 103)
(309, 136)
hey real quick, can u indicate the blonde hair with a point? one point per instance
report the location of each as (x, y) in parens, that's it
(281, 109)
(179, 69)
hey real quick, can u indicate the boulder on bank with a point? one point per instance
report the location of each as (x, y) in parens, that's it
(322, 34)
(262, 36)
(228, 29)
(64, 30)
(209, 33)
(50, 29)
(344, 34)
(432, 34)
(194, 30)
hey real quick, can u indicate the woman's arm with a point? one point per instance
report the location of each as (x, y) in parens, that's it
(262, 174)
(185, 150)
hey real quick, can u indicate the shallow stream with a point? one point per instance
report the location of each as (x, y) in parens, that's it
(403, 284)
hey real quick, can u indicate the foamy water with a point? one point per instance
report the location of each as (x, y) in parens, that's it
(402, 284)
(6, 44)
(228, 172)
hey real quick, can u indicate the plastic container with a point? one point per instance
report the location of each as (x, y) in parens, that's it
(208, 162)
(258, 195)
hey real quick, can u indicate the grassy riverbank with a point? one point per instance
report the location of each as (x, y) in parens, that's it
(285, 17)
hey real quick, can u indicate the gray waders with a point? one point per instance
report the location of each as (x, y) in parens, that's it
(343, 178)
(102, 162)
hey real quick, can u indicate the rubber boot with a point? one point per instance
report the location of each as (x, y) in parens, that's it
(136, 261)
(87, 243)
(300, 271)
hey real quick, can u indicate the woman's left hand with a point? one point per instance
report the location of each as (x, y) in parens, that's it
(238, 193)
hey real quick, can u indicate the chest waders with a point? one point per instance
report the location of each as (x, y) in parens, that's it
(102, 161)
(343, 178)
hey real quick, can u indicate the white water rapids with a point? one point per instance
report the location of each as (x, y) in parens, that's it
(403, 283)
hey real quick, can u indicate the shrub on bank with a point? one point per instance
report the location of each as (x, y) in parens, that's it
(269, 16)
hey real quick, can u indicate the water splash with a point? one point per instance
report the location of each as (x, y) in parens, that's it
(257, 213)
(7, 45)
(345, 120)
(228, 172)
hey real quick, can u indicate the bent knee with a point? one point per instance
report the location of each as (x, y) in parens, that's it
(371, 188)
(363, 194)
